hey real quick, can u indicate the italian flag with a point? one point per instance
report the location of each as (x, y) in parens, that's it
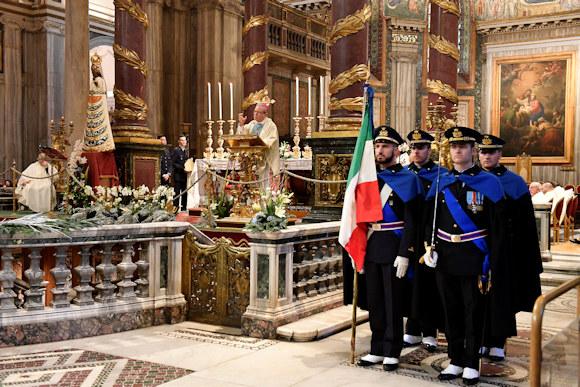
(362, 201)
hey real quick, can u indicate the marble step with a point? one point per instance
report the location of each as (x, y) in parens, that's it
(321, 325)
(568, 265)
(555, 279)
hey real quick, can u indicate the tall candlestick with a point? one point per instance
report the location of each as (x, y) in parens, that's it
(297, 98)
(209, 101)
(231, 101)
(309, 96)
(220, 100)
(321, 87)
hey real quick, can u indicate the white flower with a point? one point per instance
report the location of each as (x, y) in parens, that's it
(88, 190)
(280, 212)
(114, 191)
(126, 191)
(101, 191)
(82, 160)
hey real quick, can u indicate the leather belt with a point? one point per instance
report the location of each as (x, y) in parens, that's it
(388, 226)
(459, 238)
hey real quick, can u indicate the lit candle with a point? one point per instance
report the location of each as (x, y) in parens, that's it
(209, 101)
(297, 97)
(309, 96)
(220, 99)
(321, 87)
(231, 101)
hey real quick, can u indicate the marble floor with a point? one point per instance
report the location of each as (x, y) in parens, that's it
(191, 354)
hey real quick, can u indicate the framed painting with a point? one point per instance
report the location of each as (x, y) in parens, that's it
(533, 99)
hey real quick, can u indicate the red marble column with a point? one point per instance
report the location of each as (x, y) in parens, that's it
(443, 67)
(130, 69)
(254, 41)
(346, 52)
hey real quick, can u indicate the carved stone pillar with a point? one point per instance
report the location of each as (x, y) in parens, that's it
(443, 52)
(349, 58)
(76, 59)
(404, 56)
(60, 273)
(11, 128)
(255, 67)
(35, 277)
(7, 277)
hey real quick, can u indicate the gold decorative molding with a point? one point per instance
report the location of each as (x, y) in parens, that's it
(406, 38)
(448, 5)
(131, 58)
(444, 46)
(331, 167)
(350, 24)
(254, 60)
(134, 10)
(254, 98)
(443, 89)
(353, 104)
(129, 106)
(355, 74)
(255, 21)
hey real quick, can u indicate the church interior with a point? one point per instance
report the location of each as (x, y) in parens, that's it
(175, 176)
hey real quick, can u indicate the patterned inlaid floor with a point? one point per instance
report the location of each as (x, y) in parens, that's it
(242, 342)
(76, 367)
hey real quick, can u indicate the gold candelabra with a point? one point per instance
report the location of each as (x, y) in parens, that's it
(438, 121)
(208, 153)
(309, 126)
(231, 123)
(321, 123)
(219, 153)
(296, 148)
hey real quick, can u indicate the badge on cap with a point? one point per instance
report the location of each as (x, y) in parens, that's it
(457, 133)
(486, 140)
(416, 135)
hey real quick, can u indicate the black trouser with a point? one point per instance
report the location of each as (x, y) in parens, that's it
(180, 186)
(384, 294)
(494, 342)
(416, 327)
(463, 318)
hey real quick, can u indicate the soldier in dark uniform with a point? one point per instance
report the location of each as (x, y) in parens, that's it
(389, 248)
(469, 228)
(517, 277)
(166, 164)
(426, 313)
(178, 159)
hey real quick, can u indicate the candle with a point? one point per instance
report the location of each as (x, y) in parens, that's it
(220, 99)
(231, 101)
(209, 101)
(309, 96)
(321, 87)
(297, 97)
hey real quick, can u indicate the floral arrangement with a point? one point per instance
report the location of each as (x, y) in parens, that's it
(271, 215)
(285, 150)
(222, 206)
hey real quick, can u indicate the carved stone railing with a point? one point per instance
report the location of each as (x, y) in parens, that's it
(294, 273)
(296, 36)
(111, 278)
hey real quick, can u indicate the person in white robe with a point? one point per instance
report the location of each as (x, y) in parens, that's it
(35, 188)
(266, 129)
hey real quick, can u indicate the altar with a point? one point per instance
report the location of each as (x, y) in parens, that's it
(197, 196)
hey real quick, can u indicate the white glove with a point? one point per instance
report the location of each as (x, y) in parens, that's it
(430, 257)
(402, 264)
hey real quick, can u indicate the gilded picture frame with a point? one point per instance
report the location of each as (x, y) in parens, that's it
(533, 106)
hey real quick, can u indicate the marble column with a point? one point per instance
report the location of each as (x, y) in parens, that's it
(255, 67)
(443, 52)
(349, 58)
(76, 62)
(131, 70)
(12, 125)
(404, 56)
(218, 58)
(154, 60)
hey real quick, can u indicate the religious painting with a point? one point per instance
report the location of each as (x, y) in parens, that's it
(533, 100)
(511, 9)
(407, 9)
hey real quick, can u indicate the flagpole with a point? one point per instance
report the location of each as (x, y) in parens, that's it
(353, 326)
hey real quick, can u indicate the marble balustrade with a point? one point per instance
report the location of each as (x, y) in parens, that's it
(93, 275)
(294, 273)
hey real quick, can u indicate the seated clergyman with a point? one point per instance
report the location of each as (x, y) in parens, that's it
(35, 188)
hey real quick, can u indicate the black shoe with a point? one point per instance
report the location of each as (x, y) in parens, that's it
(444, 377)
(496, 358)
(366, 363)
(470, 382)
(407, 345)
(390, 367)
(430, 348)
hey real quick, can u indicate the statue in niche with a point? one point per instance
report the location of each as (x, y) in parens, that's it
(98, 134)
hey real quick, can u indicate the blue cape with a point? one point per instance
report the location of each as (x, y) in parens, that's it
(483, 182)
(404, 182)
(513, 185)
(431, 174)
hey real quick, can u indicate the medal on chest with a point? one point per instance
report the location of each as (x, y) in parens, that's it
(474, 201)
